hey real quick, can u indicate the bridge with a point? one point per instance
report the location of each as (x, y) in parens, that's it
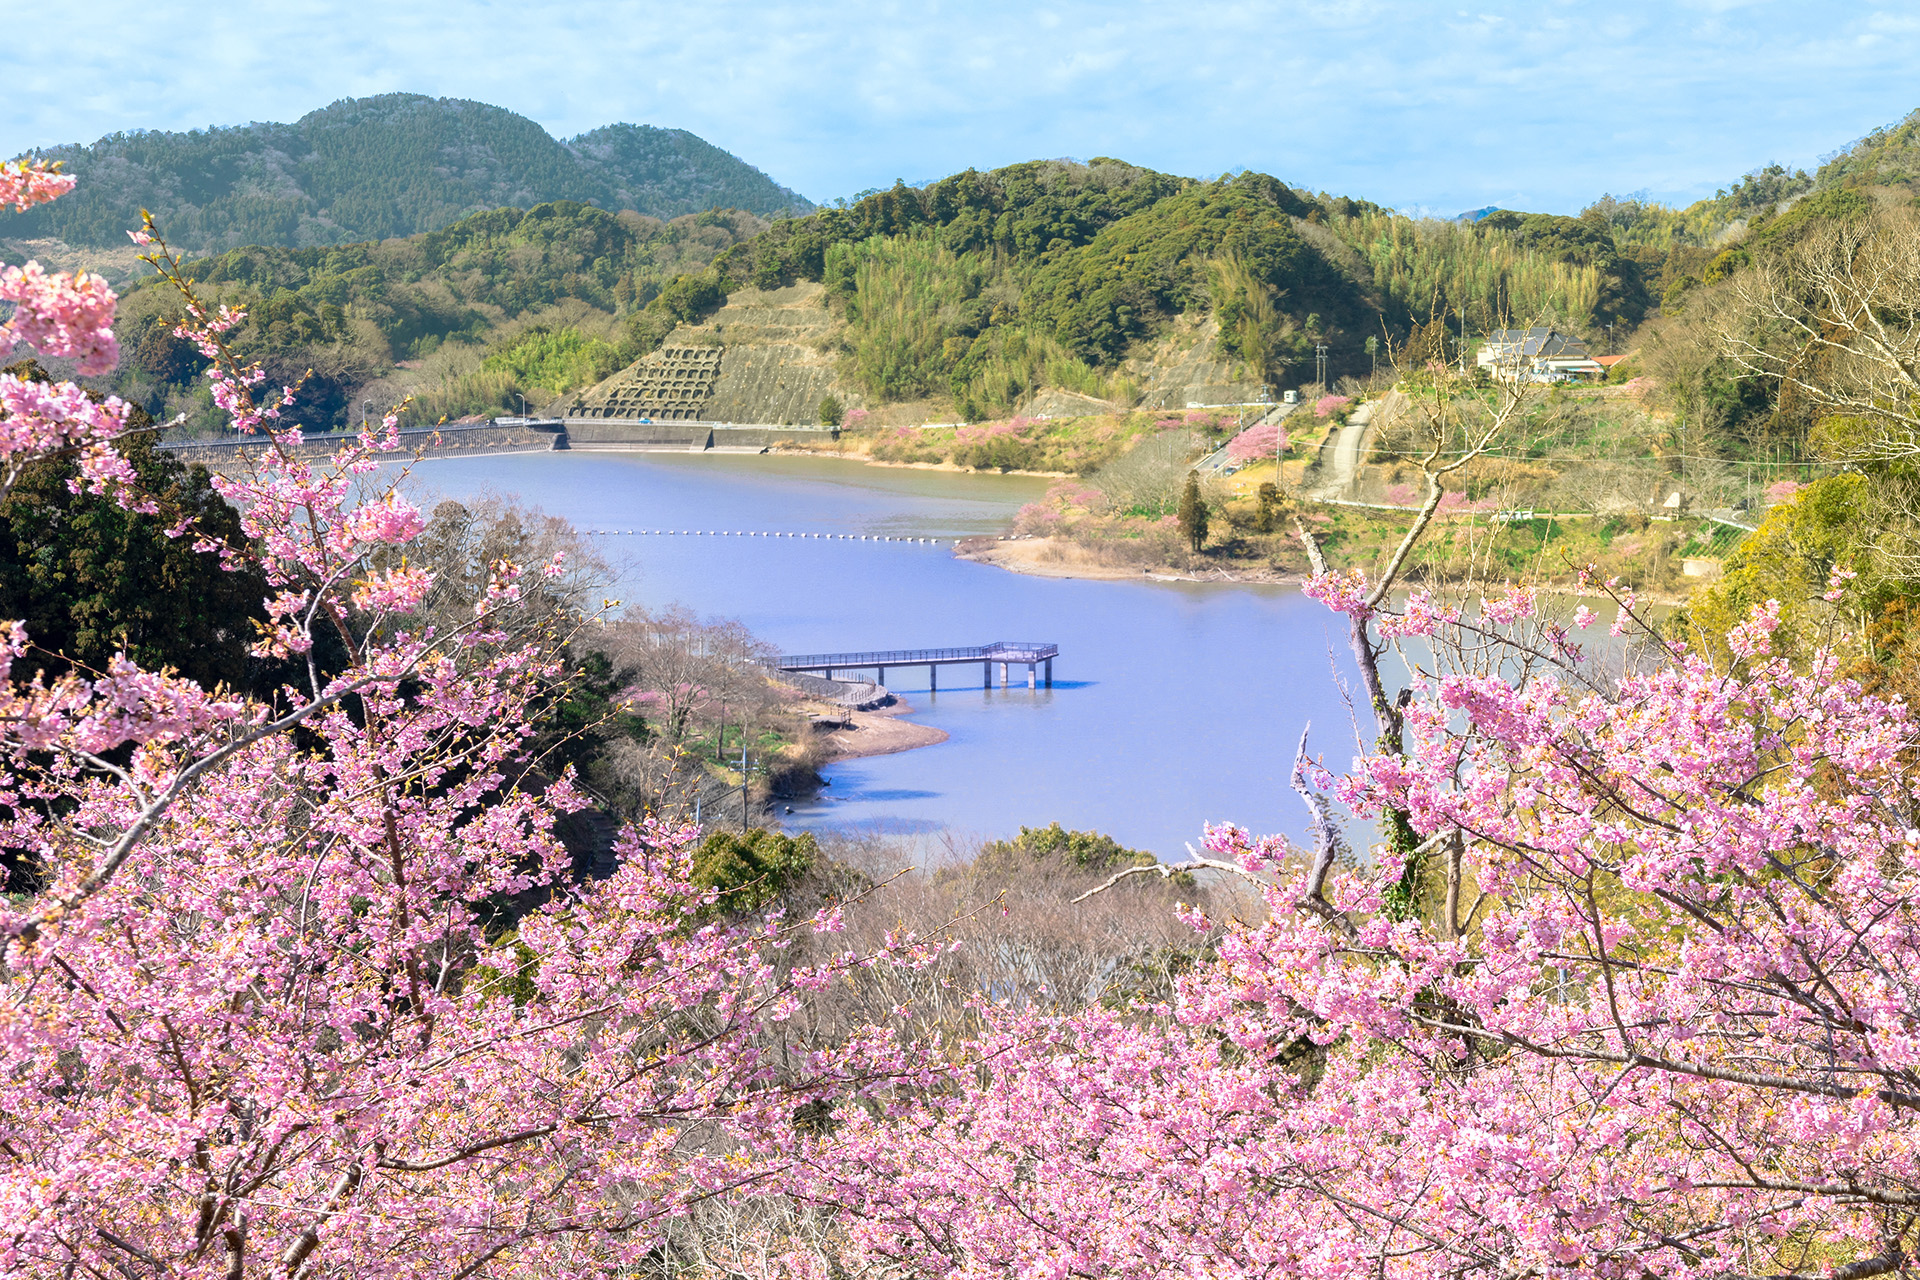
(1007, 653)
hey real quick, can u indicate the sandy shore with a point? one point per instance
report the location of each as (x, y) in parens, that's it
(1056, 558)
(881, 733)
(866, 461)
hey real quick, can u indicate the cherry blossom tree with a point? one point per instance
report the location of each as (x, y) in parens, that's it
(1268, 440)
(1670, 1031)
(302, 987)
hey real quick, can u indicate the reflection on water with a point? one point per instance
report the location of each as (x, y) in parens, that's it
(1174, 704)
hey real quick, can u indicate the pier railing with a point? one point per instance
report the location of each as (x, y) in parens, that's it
(998, 651)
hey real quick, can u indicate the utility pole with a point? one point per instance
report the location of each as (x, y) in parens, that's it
(1609, 337)
(1320, 364)
(743, 784)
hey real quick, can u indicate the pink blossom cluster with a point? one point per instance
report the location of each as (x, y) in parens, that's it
(1341, 590)
(979, 433)
(40, 417)
(1265, 441)
(1063, 494)
(1628, 994)
(1422, 615)
(61, 315)
(1669, 1039)
(1327, 406)
(26, 183)
(1038, 518)
(260, 1016)
(1781, 491)
(1456, 502)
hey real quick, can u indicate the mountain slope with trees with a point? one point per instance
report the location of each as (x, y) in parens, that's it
(528, 292)
(375, 168)
(967, 295)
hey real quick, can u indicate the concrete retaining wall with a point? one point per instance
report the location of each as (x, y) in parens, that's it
(855, 695)
(617, 433)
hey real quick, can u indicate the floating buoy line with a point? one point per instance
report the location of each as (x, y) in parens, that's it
(756, 533)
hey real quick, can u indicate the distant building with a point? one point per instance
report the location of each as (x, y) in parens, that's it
(1538, 355)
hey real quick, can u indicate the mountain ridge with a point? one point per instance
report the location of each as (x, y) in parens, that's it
(376, 168)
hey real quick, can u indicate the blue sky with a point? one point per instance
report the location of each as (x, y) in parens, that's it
(1432, 107)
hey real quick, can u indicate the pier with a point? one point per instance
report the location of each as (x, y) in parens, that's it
(1038, 658)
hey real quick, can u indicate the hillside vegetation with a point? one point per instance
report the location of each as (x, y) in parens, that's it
(986, 286)
(375, 168)
(968, 295)
(540, 301)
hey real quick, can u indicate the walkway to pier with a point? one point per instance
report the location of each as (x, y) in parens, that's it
(1035, 655)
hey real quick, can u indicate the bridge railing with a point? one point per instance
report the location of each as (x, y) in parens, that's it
(998, 651)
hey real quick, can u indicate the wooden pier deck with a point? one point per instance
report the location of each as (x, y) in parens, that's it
(1037, 656)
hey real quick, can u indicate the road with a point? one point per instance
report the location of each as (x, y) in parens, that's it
(1346, 455)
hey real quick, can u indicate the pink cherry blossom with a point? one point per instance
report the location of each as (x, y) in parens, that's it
(1265, 441)
(26, 183)
(61, 315)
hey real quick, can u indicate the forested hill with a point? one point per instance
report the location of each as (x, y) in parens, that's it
(971, 293)
(374, 168)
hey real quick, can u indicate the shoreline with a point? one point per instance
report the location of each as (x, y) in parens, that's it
(954, 467)
(1054, 558)
(880, 733)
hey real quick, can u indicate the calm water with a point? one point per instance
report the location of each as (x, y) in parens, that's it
(1173, 704)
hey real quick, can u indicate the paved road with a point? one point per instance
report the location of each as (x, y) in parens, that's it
(1217, 462)
(1347, 453)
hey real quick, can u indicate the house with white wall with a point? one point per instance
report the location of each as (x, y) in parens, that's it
(1537, 355)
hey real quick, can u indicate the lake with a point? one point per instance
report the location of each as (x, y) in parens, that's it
(1174, 704)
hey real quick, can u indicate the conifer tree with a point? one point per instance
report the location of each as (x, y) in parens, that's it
(1193, 513)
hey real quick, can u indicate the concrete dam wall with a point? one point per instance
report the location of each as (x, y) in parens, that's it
(499, 436)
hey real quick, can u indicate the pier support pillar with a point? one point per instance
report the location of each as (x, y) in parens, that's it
(933, 678)
(1029, 676)
(1049, 673)
(986, 675)
(880, 675)
(1003, 675)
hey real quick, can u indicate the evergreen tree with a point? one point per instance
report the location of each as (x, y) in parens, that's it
(1193, 513)
(831, 410)
(91, 579)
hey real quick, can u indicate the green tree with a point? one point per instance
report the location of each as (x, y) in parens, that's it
(831, 410)
(691, 298)
(1270, 505)
(1193, 513)
(91, 579)
(749, 871)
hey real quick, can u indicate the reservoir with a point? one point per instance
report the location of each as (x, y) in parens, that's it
(1174, 704)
